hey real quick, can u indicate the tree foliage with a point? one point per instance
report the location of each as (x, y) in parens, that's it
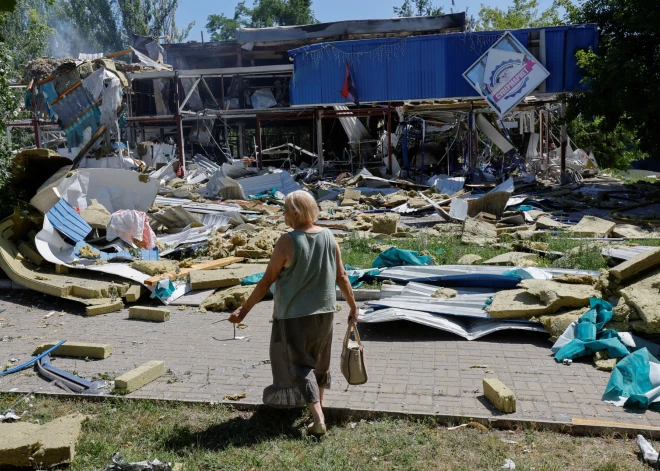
(263, 14)
(152, 18)
(520, 14)
(417, 8)
(25, 33)
(623, 73)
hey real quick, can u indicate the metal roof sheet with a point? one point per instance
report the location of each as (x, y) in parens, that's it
(67, 221)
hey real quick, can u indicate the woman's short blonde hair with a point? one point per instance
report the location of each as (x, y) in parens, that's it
(303, 205)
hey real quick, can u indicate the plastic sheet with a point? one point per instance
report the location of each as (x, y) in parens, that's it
(132, 227)
(394, 257)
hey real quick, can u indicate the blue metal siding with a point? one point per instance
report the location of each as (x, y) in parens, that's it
(578, 39)
(422, 67)
(554, 41)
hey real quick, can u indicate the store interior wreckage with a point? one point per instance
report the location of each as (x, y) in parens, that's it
(160, 172)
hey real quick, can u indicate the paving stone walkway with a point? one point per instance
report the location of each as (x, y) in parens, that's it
(411, 368)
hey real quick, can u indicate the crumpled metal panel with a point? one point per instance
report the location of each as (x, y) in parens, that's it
(468, 328)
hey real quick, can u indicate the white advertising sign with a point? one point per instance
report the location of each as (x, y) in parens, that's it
(505, 74)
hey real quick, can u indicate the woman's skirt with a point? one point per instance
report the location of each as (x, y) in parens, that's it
(300, 360)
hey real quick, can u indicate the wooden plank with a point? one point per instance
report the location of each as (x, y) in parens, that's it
(99, 132)
(210, 265)
(117, 54)
(601, 423)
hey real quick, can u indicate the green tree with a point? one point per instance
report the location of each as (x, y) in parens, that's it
(26, 33)
(88, 26)
(152, 18)
(622, 74)
(417, 8)
(521, 14)
(264, 14)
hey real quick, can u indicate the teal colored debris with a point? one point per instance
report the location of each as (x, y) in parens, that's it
(394, 257)
(589, 337)
(252, 279)
(631, 385)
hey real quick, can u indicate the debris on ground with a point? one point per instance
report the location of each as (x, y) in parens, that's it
(119, 464)
(26, 444)
(235, 397)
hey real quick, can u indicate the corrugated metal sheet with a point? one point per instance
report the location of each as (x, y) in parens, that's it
(280, 180)
(466, 327)
(67, 221)
(626, 253)
(422, 67)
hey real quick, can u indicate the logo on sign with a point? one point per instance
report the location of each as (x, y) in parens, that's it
(510, 78)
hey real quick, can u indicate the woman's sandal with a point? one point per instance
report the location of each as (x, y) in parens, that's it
(318, 430)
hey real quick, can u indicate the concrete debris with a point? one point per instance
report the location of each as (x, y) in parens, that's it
(545, 222)
(224, 277)
(636, 265)
(140, 376)
(97, 351)
(153, 314)
(96, 215)
(155, 267)
(386, 223)
(628, 231)
(644, 296)
(603, 361)
(559, 294)
(513, 259)
(479, 233)
(556, 324)
(574, 279)
(469, 259)
(28, 445)
(591, 226)
(499, 395)
(445, 293)
(227, 299)
(105, 308)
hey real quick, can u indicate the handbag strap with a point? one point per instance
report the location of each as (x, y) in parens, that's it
(352, 326)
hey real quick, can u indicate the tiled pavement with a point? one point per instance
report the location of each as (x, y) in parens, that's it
(411, 368)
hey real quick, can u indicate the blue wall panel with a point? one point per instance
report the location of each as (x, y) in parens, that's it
(423, 67)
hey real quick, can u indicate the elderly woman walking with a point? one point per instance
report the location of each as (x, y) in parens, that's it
(305, 267)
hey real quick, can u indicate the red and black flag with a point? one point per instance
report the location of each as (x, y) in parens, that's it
(349, 92)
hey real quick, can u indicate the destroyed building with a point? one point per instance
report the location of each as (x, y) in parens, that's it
(163, 174)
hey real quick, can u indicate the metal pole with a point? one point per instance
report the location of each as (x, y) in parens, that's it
(35, 120)
(259, 155)
(389, 138)
(179, 125)
(319, 140)
(564, 135)
(241, 144)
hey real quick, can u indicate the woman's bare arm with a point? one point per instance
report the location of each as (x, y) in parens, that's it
(282, 251)
(345, 287)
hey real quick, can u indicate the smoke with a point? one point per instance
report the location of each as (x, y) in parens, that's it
(67, 41)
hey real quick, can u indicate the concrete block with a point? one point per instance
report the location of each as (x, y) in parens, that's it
(591, 226)
(223, 277)
(144, 374)
(98, 351)
(636, 265)
(480, 233)
(31, 254)
(28, 445)
(499, 395)
(469, 259)
(385, 223)
(133, 293)
(512, 259)
(154, 314)
(98, 309)
(545, 222)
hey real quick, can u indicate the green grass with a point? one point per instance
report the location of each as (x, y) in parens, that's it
(358, 252)
(209, 437)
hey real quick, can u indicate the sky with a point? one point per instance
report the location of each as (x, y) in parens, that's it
(324, 10)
